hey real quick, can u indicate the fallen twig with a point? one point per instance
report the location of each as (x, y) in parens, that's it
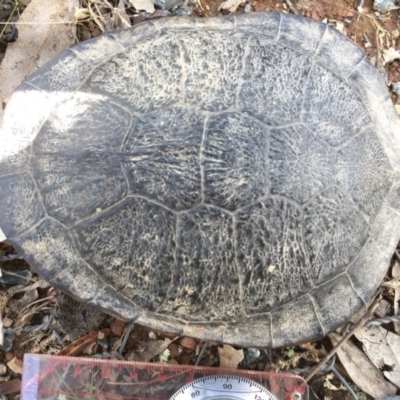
(358, 325)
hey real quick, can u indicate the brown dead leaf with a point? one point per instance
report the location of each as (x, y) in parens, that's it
(363, 373)
(229, 357)
(15, 365)
(77, 346)
(383, 349)
(12, 386)
(45, 29)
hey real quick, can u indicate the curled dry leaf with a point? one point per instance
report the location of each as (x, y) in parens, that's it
(45, 29)
(229, 357)
(371, 380)
(77, 346)
(143, 5)
(383, 349)
(230, 5)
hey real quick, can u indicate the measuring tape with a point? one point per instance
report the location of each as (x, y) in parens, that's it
(227, 387)
(58, 377)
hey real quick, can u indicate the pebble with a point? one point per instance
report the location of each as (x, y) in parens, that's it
(3, 369)
(152, 335)
(250, 356)
(396, 88)
(7, 322)
(9, 356)
(189, 343)
(9, 336)
(384, 6)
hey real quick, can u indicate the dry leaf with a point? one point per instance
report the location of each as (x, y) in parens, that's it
(15, 365)
(13, 386)
(41, 36)
(77, 346)
(230, 5)
(229, 357)
(123, 16)
(363, 373)
(143, 5)
(383, 349)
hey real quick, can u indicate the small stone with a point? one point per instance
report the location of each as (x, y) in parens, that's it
(15, 365)
(3, 369)
(189, 343)
(382, 309)
(9, 336)
(396, 88)
(349, 14)
(395, 33)
(9, 356)
(101, 335)
(7, 322)
(250, 356)
(117, 327)
(152, 335)
(174, 350)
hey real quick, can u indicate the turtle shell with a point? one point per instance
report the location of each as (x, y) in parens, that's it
(233, 179)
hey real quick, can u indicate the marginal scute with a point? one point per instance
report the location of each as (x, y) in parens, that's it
(335, 231)
(267, 24)
(210, 79)
(161, 157)
(113, 302)
(52, 250)
(331, 109)
(26, 111)
(233, 160)
(371, 264)
(364, 171)
(272, 85)
(297, 169)
(20, 208)
(132, 247)
(295, 320)
(137, 73)
(64, 73)
(205, 282)
(306, 43)
(335, 301)
(270, 254)
(338, 53)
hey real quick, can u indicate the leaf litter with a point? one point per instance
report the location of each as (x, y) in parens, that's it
(76, 20)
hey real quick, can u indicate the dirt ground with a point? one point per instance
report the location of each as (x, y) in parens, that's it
(376, 34)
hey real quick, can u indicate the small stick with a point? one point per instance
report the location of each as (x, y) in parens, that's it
(345, 338)
(291, 7)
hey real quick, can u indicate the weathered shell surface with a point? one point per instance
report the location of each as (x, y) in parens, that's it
(232, 179)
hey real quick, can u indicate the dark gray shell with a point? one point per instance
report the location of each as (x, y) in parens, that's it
(232, 179)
